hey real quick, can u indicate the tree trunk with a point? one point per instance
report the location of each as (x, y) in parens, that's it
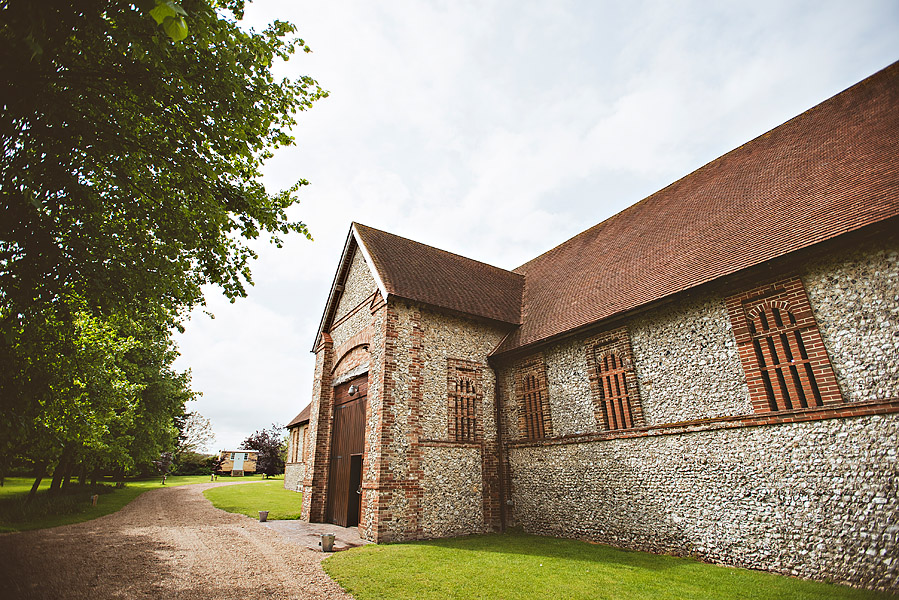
(62, 467)
(38, 476)
(67, 474)
(82, 477)
(56, 482)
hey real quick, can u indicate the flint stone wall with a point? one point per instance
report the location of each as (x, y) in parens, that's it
(294, 474)
(439, 485)
(816, 499)
(450, 337)
(359, 285)
(453, 499)
(687, 363)
(856, 302)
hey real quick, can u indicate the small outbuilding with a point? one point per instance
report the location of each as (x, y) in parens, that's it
(297, 451)
(238, 463)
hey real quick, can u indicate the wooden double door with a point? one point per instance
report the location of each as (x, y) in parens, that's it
(347, 450)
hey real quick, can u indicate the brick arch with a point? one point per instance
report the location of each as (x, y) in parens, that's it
(757, 309)
(352, 352)
(353, 357)
(621, 358)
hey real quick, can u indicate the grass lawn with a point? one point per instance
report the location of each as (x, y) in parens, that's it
(45, 511)
(248, 500)
(517, 565)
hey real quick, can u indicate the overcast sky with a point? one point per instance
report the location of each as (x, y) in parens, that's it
(498, 130)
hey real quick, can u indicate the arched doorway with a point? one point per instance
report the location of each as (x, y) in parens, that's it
(347, 449)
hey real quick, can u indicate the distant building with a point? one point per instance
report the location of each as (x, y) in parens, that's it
(713, 371)
(297, 451)
(238, 463)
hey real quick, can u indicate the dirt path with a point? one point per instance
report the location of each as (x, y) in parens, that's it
(168, 543)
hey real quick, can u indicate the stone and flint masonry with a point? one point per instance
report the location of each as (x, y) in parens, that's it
(712, 372)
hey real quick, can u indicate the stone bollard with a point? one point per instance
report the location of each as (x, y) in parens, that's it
(263, 516)
(94, 499)
(327, 542)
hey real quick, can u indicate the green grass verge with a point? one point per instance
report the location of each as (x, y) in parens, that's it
(46, 511)
(520, 566)
(248, 500)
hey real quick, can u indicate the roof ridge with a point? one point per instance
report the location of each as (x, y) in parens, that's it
(454, 254)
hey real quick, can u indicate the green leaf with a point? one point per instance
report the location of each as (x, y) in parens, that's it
(175, 28)
(163, 11)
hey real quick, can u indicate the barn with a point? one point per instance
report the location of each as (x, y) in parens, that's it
(713, 372)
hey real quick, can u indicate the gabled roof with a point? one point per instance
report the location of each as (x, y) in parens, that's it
(301, 418)
(413, 271)
(424, 274)
(829, 171)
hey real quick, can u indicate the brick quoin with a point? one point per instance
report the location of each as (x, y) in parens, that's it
(316, 482)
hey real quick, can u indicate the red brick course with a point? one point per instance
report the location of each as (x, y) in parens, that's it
(856, 409)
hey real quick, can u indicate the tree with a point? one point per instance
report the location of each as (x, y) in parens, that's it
(163, 464)
(130, 163)
(129, 176)
(194, 437)
(106, 397)
(271, 445)
(194, 433)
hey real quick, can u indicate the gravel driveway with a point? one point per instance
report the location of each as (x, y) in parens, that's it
(168, 543)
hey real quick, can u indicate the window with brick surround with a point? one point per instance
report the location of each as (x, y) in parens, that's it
(534, 420)
(613, 381)
(781, 349)
(464, 400)
(305, 443)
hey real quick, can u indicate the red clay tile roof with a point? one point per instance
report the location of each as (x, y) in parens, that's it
(420, 273)
(301, 418)
(831, 170)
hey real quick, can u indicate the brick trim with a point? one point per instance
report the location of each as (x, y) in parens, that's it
(315, 485)
(464, 406)
(368, 300)
(613, 387)
(362, 338)
(449, 444)
(781, 350)
(532, 396)
(843, 411)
